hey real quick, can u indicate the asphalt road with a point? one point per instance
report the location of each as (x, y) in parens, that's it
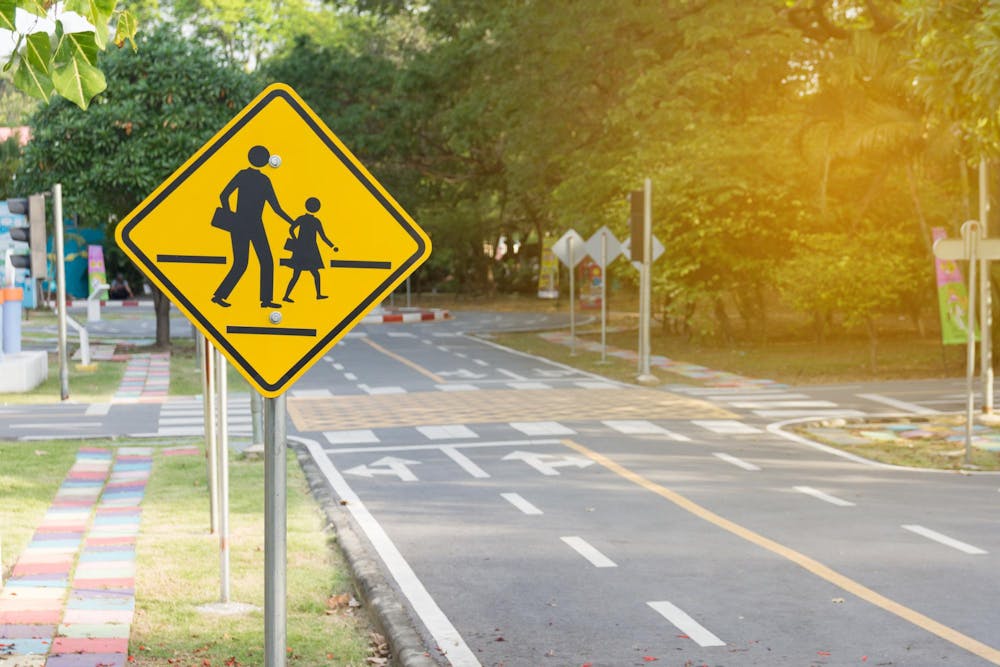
(528, 514)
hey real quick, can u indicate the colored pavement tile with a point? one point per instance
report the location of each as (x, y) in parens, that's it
(30, 604)
(97, 616)
(25, 631)
(89, 645)
(95, 630)
(46, 617)
(25, 646)
(87, 660)
(32, 594)
(25, 569)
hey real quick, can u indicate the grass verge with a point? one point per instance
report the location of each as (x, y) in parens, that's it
(178, 570)
(85, 386)
(185, 371)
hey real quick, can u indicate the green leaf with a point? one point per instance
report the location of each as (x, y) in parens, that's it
(32, 81)
(126, 29)
(78, 81)
(38, 52)
(36, 7)
(98, 13)
(8, 9)
(77, 45)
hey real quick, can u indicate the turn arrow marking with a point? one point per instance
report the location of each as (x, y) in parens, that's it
(388, 465)
(547, 463)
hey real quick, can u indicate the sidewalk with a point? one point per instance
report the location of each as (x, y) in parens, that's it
(71, 596)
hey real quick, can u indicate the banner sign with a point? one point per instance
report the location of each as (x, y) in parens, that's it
(953, 297)
(548, 271)
(97, 274)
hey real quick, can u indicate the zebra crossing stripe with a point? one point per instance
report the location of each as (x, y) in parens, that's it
(643, 427)
(725, 426)
(350, 437)
(542, 428)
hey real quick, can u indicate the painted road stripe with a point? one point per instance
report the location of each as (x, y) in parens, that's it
(944, 539)
(790, 414)
(447, 432)
(811, 565)
(687, 625)
(511, 374)
(350, 377)
(585, 549)
(756, 396)
(401, 334)
(441, 629)
(912, 408)
(97, 409)
(528, 385)
(542, 428)
(465, 463)
(458, 386)
(825, 497)
(377, 391)
(350, 437)
(338, 367)
(596, 384)
(736, 462)
(642, 427)
(723, 391)
(463, 445)
(762, 405)
(480, 362)
(725, 426)
(311, 393)
(520, 503)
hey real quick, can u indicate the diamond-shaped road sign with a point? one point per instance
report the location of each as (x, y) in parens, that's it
(657, 250)
(561, 248)
(273, 239)
(612, 247)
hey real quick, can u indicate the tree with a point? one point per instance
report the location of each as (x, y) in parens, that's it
(163, 103)
(64, 64)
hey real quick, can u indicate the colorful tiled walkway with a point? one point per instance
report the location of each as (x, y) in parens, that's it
(707, 376)
(70, 598)
(146, 379)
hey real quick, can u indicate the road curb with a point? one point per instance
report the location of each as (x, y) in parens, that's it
(408, 316)
(408, 649)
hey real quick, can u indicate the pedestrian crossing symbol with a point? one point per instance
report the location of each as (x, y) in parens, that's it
(273, 239)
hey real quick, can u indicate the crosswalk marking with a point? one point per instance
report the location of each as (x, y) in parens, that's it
(596, 384)
(757, 396)
(458, 386)
(528, 385)
(740, 463)
(687, 625)
(643, 427)
(726, 426)
(542, 428)
(588, 551)
(790, 414)
(375, 391)
(359, 436)
(905, 406)
(447, 432)
(311, 393)
(764, 405)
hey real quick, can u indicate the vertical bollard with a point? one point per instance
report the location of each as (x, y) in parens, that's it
(12, 297)
(274, 532)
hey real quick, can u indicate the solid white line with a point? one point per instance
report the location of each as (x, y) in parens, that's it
(457, 387)
(542, 428)
(528, 385)
(542, 360)
(511, 374)
(912, 408)
(756, 396)
(736, 462)
(446, 432)
(762, 405)
(686, 624)
(441, 629)
(826, 497)
(722, 391)
(465, 463)
(944, 539)
(725, 426)
(350, 437)
(97, 409)
(520, 503)
(642, 427)
(464, 445)
(585, 549)
(819, 414)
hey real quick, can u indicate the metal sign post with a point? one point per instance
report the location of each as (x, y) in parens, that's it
(211, 451)
(605, 248)
(986, 307)
(572, 300)
(222, 468)
(57, 215)
(645, 377)
(275, 519)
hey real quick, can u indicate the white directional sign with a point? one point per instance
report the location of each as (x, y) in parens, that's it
(561, 248)
(593, 245)
(657, 250)
(547, 463)
(388, 465)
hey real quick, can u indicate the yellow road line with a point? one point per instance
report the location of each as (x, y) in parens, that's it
(403, 360)
(846, 583)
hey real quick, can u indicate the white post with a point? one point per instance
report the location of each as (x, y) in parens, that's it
(211, 451)
(222, 443)
(647, 251)
(275, 521)
(970, 234)
(572, 298)
(986, 304)
(57, 214)
(604, 297)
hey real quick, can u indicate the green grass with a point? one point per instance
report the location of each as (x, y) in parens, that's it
(185, 372)
(85, 386)
(29, 477)
(178, 570)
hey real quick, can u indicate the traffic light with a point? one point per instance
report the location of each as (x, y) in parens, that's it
(33, 234)
(637, 215)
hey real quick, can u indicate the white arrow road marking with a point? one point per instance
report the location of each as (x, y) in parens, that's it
(686, 624)
(387, 465)
(944, 539)
(547, 463)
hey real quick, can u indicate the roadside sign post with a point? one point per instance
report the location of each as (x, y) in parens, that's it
(211, 451)
(565, 250)
(222, 467)
(973, 248)
(604, 246)
(986, 307)
(60, 247)
(309, 197)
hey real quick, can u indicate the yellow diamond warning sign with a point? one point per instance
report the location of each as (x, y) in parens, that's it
(273, 239)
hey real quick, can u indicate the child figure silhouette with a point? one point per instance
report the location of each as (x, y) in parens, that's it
(305, 248)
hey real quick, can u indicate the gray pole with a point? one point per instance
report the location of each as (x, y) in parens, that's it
(647, 251)
(211, 452)
(572, 300)
(257, 418)
(222, 457)
(57, 214)
(604, 297)
(970, 233)
(275, 499)
(986, 305)
(407, 291)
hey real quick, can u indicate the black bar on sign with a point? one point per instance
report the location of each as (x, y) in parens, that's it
(358, 264)
(271, 331)
(190, 259)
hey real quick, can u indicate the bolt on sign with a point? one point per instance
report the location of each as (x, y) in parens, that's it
(273, 239)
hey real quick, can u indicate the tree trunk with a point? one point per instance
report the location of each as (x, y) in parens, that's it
(725, 328)
(925, 232)
(162, 307)
(872, 345)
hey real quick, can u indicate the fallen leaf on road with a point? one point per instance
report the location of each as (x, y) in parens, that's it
(837, 600)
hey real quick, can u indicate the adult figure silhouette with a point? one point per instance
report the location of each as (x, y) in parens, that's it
(253, 190)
